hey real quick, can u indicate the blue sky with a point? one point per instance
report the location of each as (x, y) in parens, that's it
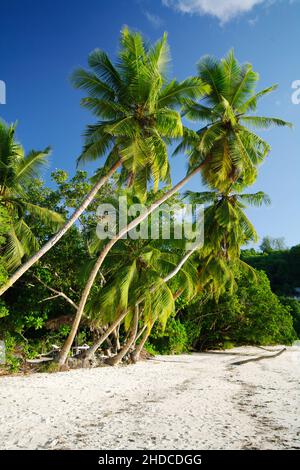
(42, 42)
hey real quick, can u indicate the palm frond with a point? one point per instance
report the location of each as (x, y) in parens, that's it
(257, 199)
(13, 251)
(45, 215)
(99, 61)
(264, 122)
(175, 93)
(88, 81)
(251, 103)
(31, 166)
(201, 198)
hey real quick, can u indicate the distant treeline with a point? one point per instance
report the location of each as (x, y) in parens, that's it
(281, 266)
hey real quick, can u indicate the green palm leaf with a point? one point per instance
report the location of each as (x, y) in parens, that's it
(88, 81)
(264, 122)
(31, 166)
(257, 199)
(13, 251)
(45, 215)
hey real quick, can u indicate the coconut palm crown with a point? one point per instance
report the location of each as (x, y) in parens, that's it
(17, 171)
(228, 136)
(227, 229)
(137, 108)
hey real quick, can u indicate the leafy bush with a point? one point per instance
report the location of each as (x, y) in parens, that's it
(294, 308)
(253, 314)
(3, 309)
(172, 340)
(13, 359)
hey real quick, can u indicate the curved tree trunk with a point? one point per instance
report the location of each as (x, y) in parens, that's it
(67, 346)
(140, 333)
(116, 338)
(90, 352)
(180, 264)
(136, 353)
(53, 240)
(115, 360)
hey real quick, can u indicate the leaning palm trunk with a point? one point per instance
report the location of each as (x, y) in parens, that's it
(69, 341)
(53, 240)
(115, 360)
(139, 334)
(88, 354)
(180, 264)
(116, 337)
(136, 353)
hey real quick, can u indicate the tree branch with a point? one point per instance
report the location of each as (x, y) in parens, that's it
(57, 292)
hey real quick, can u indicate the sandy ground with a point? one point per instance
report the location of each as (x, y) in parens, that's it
(198, 401)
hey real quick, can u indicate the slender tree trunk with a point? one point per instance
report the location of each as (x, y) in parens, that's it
(90, 352)
(56, 292)
(115, 360)
(53, 240)
(139, 333)
(116, 336)
(136, 353)
(179, 266)
(67, 346)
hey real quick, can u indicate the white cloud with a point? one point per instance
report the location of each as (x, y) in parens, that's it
(155, 20)
(224, 10)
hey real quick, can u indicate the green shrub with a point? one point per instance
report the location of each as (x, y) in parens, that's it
(253, 314)
(172, 340)
(4, 312)
(293, 306)
(13, 358)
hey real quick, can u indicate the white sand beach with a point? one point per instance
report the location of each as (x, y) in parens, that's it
(198, 401)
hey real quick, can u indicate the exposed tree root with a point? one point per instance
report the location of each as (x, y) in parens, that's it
(259, 358)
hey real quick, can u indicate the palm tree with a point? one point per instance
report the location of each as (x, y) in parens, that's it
(145, 333)
(227, 229)
(136, 106)
(17, 171)
(106, 249)
(224, 150)
(235, 149)
(225, 221)
(137, 289)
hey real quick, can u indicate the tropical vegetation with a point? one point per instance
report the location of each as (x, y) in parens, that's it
(93, 301)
